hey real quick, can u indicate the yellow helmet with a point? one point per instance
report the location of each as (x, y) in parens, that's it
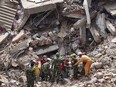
(74, 55)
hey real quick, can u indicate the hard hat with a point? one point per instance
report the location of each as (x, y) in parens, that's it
(73, 55)
(79, 53)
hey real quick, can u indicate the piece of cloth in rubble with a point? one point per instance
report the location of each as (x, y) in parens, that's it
(88, 61)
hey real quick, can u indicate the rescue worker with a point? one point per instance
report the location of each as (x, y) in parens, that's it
(62, 70)
(74, 59)
(30, 75)
(56, 68)
(73, 55)
(46, 70)
(70, 65)
(87, 60)
(66, 65)
(37, 71)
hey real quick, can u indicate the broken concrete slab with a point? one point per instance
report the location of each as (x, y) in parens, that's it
(34, 7)
(95, 34)
(83, 20)
(19, 47)
(110, 27)
(111, 8)
(46, 49)
(80, 23)
(114, 40)
(19, 36)
(3, 79)
(3, 37)
(101, 24)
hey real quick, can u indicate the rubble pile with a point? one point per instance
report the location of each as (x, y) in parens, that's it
(31, 27)
(103, 68)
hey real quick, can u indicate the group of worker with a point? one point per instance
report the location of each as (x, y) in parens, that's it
(57, 69)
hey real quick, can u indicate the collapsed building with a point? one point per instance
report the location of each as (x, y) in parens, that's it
(49, 26)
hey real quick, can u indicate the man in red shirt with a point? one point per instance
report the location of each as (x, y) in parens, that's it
(62, 69)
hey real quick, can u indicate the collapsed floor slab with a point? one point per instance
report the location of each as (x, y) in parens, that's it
(32, 7)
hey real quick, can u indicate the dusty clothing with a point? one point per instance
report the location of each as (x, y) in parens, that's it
(62, 66)
(88, 62)
(37, 70)
(30, 77)
(43, 61)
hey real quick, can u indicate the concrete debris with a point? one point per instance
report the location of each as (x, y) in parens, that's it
(46, 49)
(98, 55)
(14, 63)
(101, 23)
(95, 34)
(111, 8)
(34, 29)
(3, 79)
(83, 35)
(110, 27)
(114, 40)
(35, 7)
(83, 20)
(7, 15)
(19, 47)
(22, 19)
(19, 36)
(23, 79)
(97, 65)
(3, 37)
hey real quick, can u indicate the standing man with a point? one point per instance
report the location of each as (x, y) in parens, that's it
(37, 70)
(30, 74)
(85, 59)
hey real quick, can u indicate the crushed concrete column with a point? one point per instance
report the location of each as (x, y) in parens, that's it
(89, 3)
(101, 24)
(85, 5)
(83, 35)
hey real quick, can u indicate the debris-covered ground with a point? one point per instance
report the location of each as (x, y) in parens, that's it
(64, 26)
